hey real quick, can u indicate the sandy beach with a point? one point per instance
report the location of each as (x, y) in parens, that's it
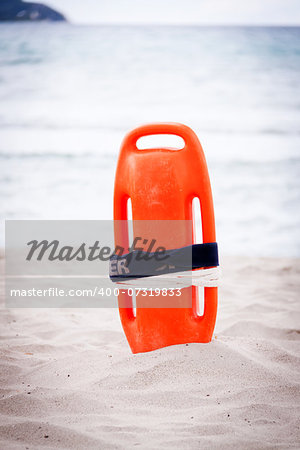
(69, 93)
(69, 380)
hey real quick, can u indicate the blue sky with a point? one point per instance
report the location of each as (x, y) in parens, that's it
(239, 12)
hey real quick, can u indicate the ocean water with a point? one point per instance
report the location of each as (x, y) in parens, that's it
(68, 94)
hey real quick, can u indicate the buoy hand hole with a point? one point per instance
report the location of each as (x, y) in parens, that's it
(155, 141)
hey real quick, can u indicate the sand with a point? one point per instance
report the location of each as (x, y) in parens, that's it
(69, 380)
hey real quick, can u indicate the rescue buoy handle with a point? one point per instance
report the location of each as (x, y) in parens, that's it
(186, 133)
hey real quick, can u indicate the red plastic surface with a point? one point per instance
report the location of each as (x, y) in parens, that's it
(161, 184)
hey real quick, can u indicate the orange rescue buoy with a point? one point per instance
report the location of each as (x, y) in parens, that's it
(162, 184)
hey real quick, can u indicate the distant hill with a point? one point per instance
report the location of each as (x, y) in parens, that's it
(17, 10)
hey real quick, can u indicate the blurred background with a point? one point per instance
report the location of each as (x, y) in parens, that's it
(69, 91)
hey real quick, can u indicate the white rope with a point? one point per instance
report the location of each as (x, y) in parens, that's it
(200, 277)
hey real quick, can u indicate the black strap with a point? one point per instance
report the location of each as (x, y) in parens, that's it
(138, 264)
